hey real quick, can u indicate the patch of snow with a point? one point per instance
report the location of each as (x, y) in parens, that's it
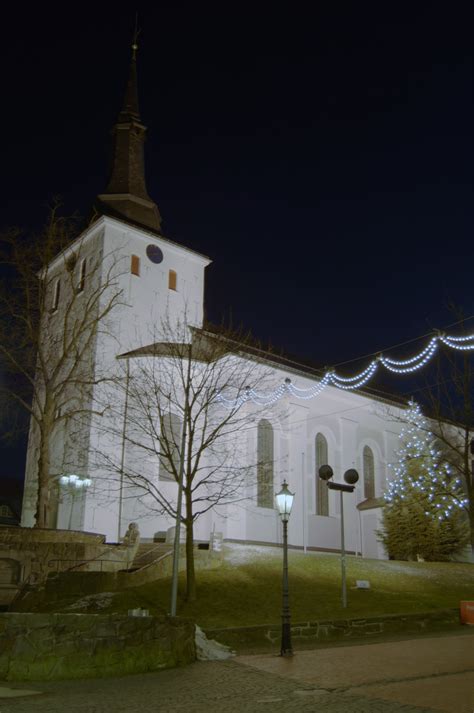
(93, 602)
(210, 650)
(239, 554)
(235, 553)
(410, 569)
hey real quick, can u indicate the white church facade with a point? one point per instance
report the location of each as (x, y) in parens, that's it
(293, 428)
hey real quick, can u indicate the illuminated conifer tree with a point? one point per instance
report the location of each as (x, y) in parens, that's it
(423, 515)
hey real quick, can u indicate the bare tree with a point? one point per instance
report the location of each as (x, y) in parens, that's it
(53, 303)
(187, 409)
(449, 404)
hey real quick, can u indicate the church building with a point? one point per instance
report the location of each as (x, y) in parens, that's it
(148, 296)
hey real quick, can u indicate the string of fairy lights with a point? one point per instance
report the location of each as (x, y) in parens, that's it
(350, 383)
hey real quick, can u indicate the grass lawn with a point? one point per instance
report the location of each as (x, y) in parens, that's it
(246, 589)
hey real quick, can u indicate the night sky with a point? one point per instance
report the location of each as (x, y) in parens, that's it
(322, 158)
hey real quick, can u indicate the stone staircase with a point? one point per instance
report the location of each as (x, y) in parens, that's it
(149, 552)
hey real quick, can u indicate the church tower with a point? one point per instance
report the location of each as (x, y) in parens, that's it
(160, 279)
(137, 280)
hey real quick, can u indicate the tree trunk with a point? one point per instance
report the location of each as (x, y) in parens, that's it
(42, 504)
(44, 465)
(190, 571)
(471, 520)
(468, 456)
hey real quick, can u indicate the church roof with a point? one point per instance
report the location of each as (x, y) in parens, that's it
(126, 196)
(202, 348)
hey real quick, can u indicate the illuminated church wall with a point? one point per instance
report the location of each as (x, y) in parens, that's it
(161, 282)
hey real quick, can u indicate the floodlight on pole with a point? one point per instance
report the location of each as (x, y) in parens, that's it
(351, 477)
(72, 484)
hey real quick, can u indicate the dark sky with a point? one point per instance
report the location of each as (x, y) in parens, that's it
(322, 158)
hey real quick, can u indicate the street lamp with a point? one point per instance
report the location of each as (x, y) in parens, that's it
(351, 477)
(284, 501)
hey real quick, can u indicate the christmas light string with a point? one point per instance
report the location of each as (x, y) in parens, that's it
(350, 383)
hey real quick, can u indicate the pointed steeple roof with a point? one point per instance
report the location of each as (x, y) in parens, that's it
(130, 110)
(126, 195)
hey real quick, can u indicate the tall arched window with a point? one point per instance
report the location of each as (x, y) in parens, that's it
(322, 501)
(170, 442)
(369, 473)
(265, 464)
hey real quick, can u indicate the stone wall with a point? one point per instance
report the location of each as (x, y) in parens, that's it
(57, 646)
(338, 629)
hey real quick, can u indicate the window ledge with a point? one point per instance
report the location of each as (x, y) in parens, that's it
(371, 503)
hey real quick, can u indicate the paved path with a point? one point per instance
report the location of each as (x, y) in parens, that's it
(437, 672)
(313, 681)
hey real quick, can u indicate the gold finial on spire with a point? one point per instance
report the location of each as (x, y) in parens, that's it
(135, 38)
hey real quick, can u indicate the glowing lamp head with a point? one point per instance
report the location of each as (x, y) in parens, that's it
(75, 481)
(284, 502)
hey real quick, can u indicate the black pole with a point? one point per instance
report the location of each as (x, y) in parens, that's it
(286, 649)
(343, 556)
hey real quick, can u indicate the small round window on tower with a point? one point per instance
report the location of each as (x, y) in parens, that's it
(154, 254)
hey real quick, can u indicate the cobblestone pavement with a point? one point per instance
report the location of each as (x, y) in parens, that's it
(224, 686)
(236, 686)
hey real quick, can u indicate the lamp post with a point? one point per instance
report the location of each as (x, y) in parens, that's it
(284, 501)
(351, 477)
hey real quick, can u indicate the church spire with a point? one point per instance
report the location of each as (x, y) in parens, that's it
(130, 110)
(126, 195)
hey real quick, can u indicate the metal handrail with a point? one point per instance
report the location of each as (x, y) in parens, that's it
(155, 546)
(150, 564)
(80, 563)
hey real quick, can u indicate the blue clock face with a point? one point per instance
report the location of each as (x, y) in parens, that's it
(154, 254)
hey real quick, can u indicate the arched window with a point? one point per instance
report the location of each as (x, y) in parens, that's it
(170, 443)
(322, 501)
(265, 464)
(369, 473)
(172, 280)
